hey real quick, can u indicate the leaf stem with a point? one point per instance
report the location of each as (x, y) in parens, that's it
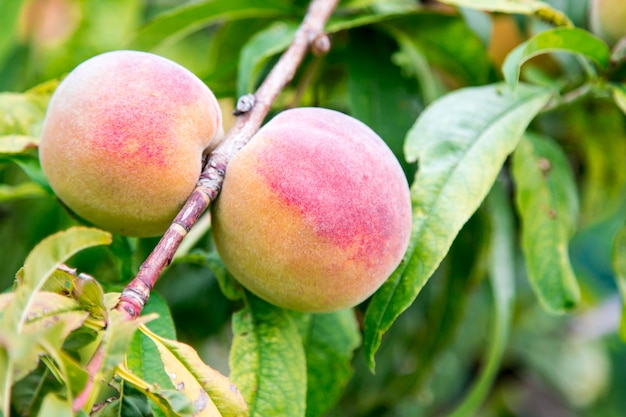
(311, 30)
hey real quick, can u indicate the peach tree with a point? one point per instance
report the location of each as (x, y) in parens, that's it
(454, 243)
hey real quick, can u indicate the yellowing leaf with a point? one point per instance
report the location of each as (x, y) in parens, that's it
(211, 392)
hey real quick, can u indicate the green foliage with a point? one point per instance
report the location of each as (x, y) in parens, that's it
(507, 302)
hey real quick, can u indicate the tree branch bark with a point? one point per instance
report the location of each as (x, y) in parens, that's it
(310, 34)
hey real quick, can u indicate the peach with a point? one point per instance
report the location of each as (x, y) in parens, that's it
(123, 140)
(314, 213)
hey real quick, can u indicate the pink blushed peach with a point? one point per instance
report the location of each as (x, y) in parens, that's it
(314, 213)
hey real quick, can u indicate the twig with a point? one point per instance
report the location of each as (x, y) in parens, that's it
(310, 33)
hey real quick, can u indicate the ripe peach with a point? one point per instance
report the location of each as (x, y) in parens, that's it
(314, 213)
(123, 140)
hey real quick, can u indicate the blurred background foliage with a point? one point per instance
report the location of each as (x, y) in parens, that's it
(389, 60)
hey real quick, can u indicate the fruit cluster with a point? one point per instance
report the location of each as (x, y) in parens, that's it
(314, 213)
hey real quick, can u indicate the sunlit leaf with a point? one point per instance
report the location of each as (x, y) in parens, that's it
(53, 405)
(209, 390)
(171, 401)
(259, 49)
(12, 144)
(20, 191)
(268, 361)
(461, 142)
(619, 95)
(502, 279)
(529, 7)
(183, 20)
(44, 259)
(547, 202)
(22, 114)
(571, 40)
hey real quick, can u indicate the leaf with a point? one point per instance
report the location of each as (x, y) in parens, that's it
(546, 199)
(619, 96)
(142, 356)
(258, 50)
(178, 22)
(619, 263)
(329, 342)
(268, 361)
(529, 7)
(209, 390)
(46, 257)
(13, 144)
(108, 355)
(379, 95)
(502, 279)
(132, 403)
(54, 406)
(573, 40)
(172, 402)
(9, 18)
(29, 163)
(20, 191)
(22, 114)
(461, 141)
(446, 43)
(368, 14)
(227, 283)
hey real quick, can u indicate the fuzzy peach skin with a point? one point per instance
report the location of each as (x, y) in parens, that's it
(123, 140)
(315, 212)
(608, 19)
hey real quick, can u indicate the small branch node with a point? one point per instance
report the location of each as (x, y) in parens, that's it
(320, 45)
(244, 104)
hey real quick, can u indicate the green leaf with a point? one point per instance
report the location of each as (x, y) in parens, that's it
(54, 406)
(9, 18)
(20, 191)
(502, 279)
(619, 96)
(80, 287)
(22, 114)
(446, 43)
(108, 355)
(368, 14)
(230, 288)
(537, 8)
(573, 40)
(209, 390)
(379, 95)
(600, 139)
(29, 163)
(619, 263)
(132, 403)
(258, 50)
(547, 203)
(46, 257)
(461, 142)
(171, 401)
(329, 342)
(178, 22)
(268, 361)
